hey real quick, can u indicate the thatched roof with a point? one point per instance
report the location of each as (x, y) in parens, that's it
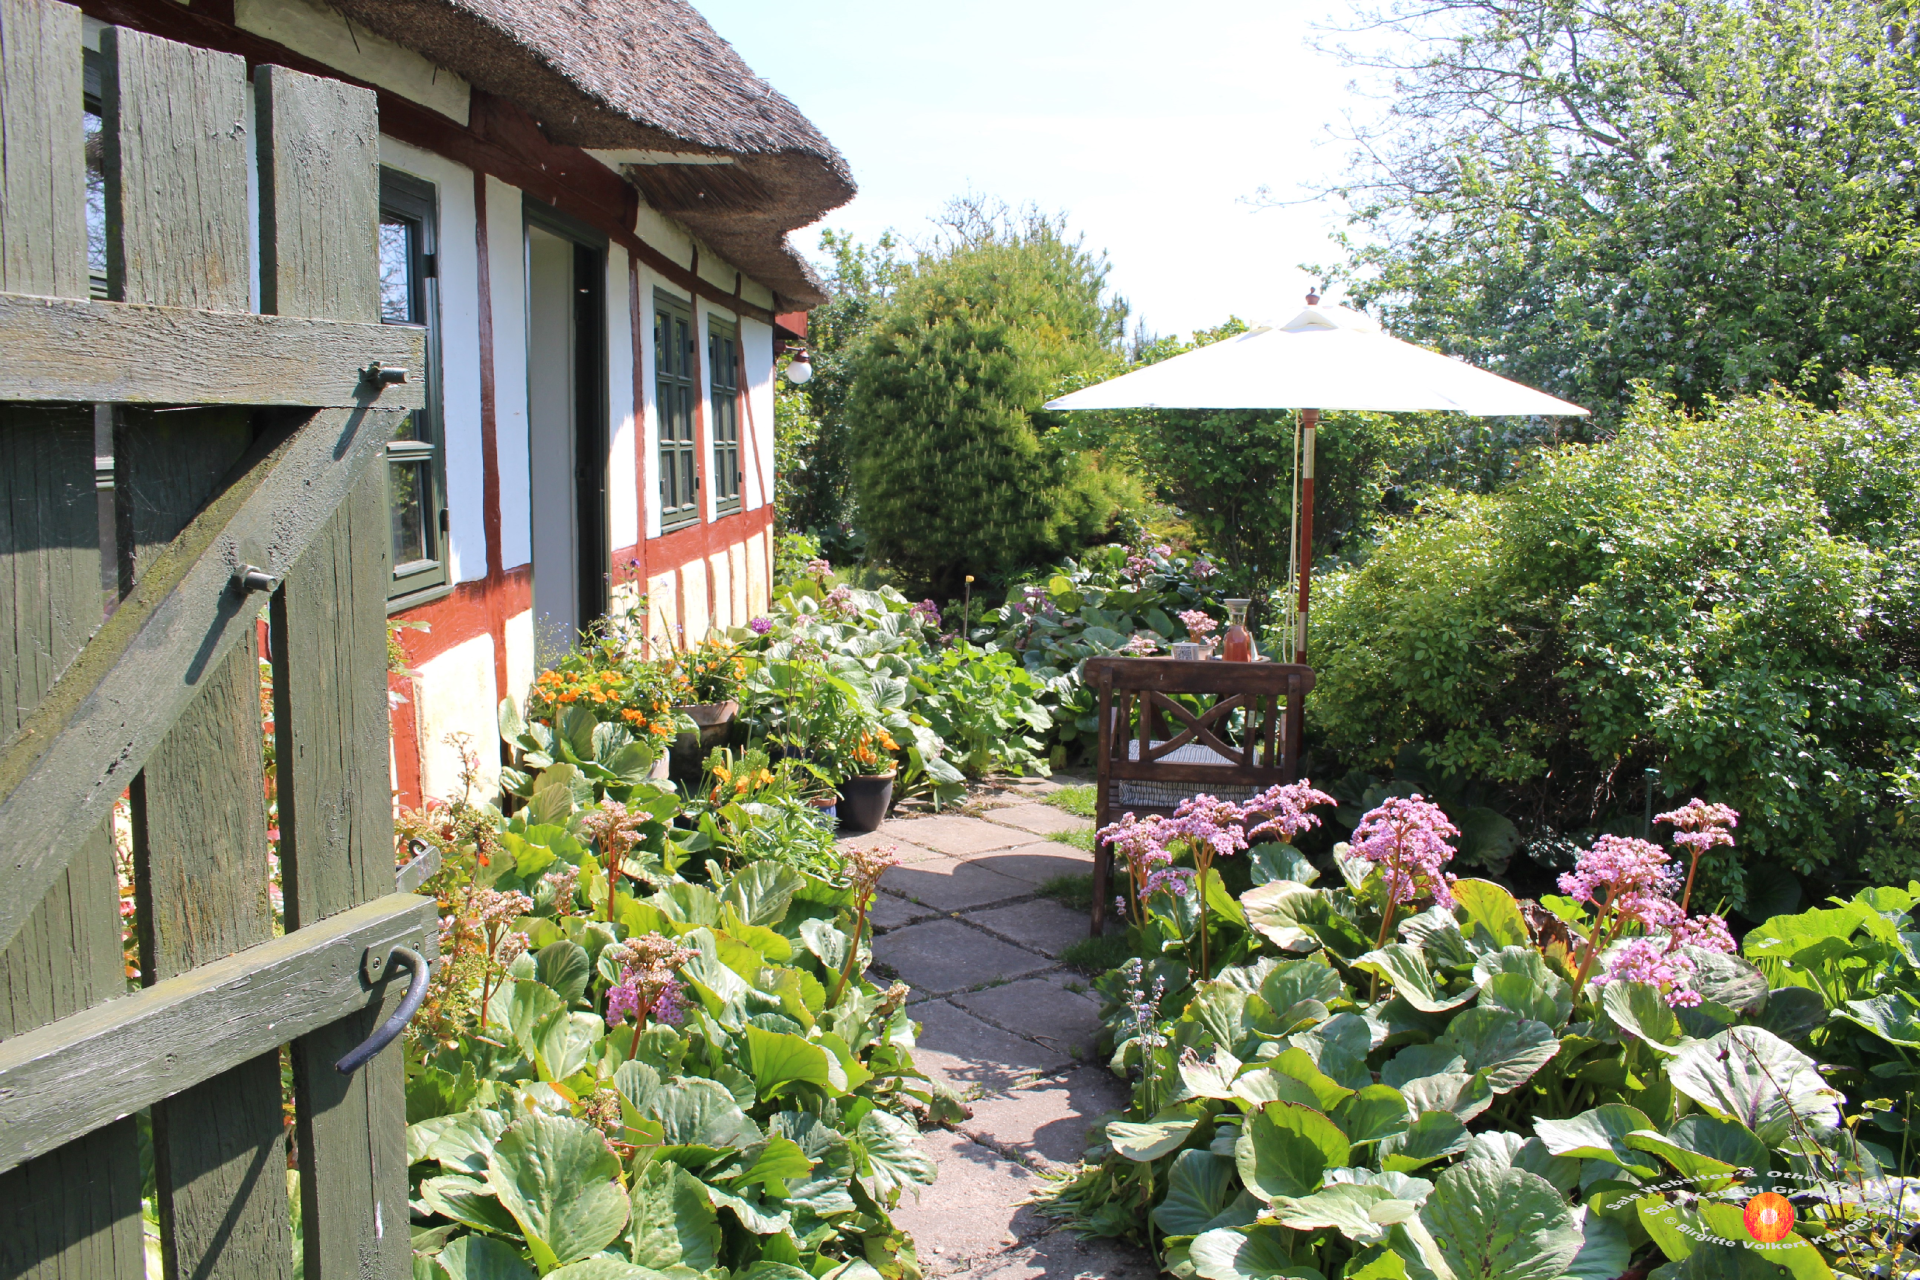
(647, 75)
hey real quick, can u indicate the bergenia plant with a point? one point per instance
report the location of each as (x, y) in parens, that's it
(863, 868)
(649, 986)
(1631, 884)
(1406, 837)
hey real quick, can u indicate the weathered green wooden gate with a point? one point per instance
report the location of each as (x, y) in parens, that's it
(242, 442)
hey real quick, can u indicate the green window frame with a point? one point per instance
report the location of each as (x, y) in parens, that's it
(676, 393)
(723, 366)
(416, 456)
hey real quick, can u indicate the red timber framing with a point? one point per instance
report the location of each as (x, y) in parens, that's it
(504, 142)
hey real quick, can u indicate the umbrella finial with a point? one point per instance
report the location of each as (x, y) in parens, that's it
(1313, 296)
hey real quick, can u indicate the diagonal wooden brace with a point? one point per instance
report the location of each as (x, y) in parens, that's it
(60, 773)
(66, 1079)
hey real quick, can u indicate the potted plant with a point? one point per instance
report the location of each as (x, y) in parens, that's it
(854, 751)
(707, 681)
(616, 689)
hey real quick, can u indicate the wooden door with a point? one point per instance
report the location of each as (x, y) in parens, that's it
(244, 443)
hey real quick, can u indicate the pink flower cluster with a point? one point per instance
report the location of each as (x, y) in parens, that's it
(1700, 826)
(1141, 646)
(926, 611)
(1198, 624)
(840, 601)
(1208, 828)
(1201, 569)
(819, 568)
(1406, 837)
(648, 985)
(1633, 882)
(760, 625)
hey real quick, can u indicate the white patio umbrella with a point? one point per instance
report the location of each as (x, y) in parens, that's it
(1327, 357)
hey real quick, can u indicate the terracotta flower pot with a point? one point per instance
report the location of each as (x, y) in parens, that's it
(714, 720)
(864, 801)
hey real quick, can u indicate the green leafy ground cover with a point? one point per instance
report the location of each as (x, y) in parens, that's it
(1367, 1084)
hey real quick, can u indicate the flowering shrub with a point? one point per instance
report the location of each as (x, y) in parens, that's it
(709, 672)
(637, 1064)
(636, 695)
(1388, 1076)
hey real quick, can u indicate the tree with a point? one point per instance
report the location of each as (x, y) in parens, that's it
(955, 466)
(1709, 195)
(1729, 598)
(817, 477)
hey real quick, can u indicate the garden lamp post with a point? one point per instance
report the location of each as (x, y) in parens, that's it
(1327, 357)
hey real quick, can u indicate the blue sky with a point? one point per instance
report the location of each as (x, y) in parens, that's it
(1148, 124)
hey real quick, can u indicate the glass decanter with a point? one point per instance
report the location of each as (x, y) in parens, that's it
(1237, 644)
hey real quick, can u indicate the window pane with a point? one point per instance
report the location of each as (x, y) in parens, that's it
(396, 271)
(409, 490)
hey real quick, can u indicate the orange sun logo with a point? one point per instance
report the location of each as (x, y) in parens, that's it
(1769, 1216)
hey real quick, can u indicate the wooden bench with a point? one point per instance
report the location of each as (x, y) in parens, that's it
(1154, 752)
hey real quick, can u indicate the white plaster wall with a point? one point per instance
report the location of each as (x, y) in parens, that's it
(326, 36)
(459, 273)
(758, 594)
(756, 343)
(720, 609)
(455, 694)
(664, 234)
(693, 583)
(519, 633)
(664, 609)
(623, 484)
(507, 276)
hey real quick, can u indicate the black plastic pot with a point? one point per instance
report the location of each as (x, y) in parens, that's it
(864, 801)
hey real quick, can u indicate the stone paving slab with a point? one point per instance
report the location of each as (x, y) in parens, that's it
(1040, 1009)
(1042, 925)
(955, 835)
(976, 1059)
(947, 884)
(908, 851)
(1041, 819)
(970, 1212)
(941, 956)
(1047, 1125)
(1061, 1255)
(891, 912)
(1035, 863)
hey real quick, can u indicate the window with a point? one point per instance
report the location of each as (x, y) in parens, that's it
(415, 465)
(723, 364)
(675, 391)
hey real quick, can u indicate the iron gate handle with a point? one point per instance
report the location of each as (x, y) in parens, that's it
(392, 1027)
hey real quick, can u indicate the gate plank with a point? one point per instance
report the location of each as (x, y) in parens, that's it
(60, 772)
(43, 219)
(67, 1079)
(320, 257)
(176, 168)
(73, 1213)
(133, 354)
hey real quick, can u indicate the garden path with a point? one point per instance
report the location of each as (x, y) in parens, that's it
(961, 921)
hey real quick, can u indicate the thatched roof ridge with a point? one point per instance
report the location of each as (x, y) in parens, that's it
(648, 75)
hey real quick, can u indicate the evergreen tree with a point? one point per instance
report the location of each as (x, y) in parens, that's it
(954, 463)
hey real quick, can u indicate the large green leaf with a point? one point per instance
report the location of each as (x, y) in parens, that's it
(1361, 1212)
(894, 1159)
(469, 1201)
(464, 1140)
(1753, 1076)
(1211, 1078)
(482, 1258)
(1606, 1248)
(1375, 1112)
(1894, 1018)
(1508, 1047)
(1489, 915)
(673, 1222)
(564, 1041)
(1466, 1096)
(1525, 1153)
(531, 1006)
(1727, 1141)
(1434, 1135)
(1275, 911)
(1404, 967)
(1284, 1148)
(779, 1060)
(1256, 1253)
(606, 1268)
(1325, 1092)
(563, 966)
(698, 1112)
(762, 891)
(1292, 981)
(1203, 1193)
(1495, 1222)
(1270, 862)
(1517, 979)
(1599, 1134)
(556, 1177)
(1153, 1138)
(1641, 1010)
(1417, 1060)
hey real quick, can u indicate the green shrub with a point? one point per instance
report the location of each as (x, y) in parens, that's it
(981, 703)
(1729, 599)
(952, 463)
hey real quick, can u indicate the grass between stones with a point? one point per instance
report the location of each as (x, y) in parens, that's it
(1077, 801)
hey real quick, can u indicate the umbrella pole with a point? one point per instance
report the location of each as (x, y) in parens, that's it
(1309, 421)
